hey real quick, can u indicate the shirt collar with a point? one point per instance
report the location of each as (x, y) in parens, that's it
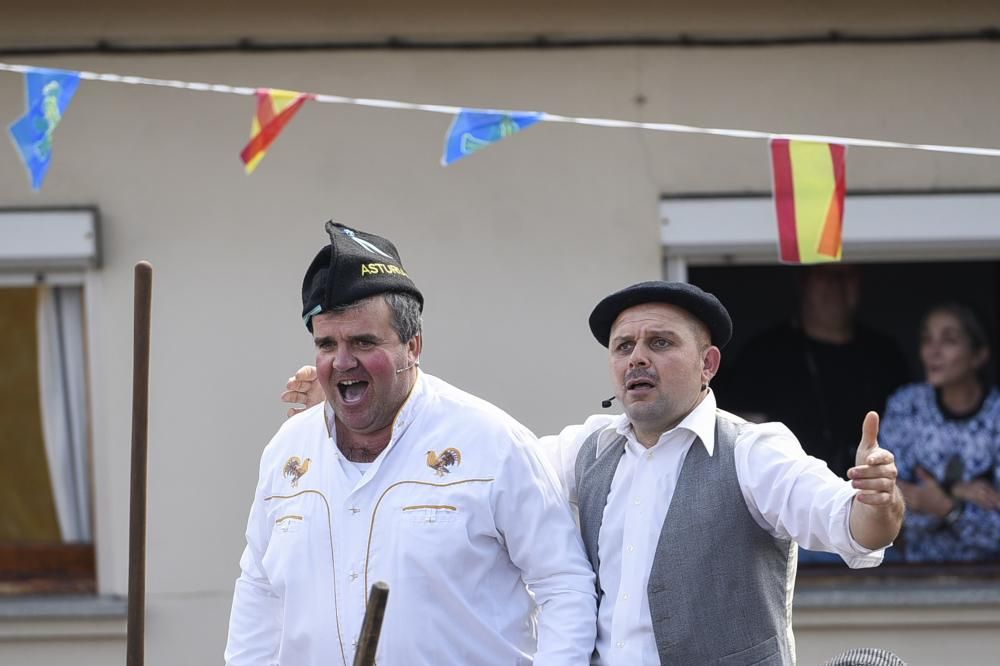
(700, 421)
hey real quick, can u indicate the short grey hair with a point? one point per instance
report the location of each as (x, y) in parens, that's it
(405, 309)
(406, 319)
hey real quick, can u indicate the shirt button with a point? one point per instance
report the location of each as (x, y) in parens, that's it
(620, 644)
(637, 501)
(625, 596)
(649, 454)
(355, 510)
(630, 548)
(354, 576)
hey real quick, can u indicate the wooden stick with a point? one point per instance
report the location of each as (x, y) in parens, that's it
(372, 626)
(134, 652)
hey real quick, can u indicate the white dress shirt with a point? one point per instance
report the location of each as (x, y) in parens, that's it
(789, 494)
(457, 546)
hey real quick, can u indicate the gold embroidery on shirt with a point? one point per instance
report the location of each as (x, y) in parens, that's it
(295, 469)
(333, 559)
(371, 526)
(440, 462)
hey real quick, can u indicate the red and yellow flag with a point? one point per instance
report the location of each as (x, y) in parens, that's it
(275, 109)
(809, 186)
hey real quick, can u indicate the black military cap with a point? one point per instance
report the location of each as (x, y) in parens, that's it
(355, 265)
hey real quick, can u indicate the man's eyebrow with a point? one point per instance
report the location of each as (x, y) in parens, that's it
(366, 337)
(663, 332)
(326, 339)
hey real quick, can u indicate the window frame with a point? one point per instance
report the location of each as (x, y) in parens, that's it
(726, 229)
(30, 568)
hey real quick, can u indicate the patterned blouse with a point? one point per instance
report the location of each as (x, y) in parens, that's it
(950, 449)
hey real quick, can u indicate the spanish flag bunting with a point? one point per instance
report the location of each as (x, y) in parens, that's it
(275, 109)
(809, 187)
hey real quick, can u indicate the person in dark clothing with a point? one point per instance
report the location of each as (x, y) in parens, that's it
(820, 373)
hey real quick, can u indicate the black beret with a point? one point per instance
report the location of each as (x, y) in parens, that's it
(355, 265)
(703, 305)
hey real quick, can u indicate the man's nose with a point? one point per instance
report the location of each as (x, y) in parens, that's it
(637, 359)
(343, 359)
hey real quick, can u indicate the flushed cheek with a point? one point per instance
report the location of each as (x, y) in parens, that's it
(379, 366)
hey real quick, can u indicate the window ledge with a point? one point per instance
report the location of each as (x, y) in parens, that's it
(35, 617)
(899, 605)
(910, 593)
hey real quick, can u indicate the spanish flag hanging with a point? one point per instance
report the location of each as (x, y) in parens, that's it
(275, 109)
(809, 186)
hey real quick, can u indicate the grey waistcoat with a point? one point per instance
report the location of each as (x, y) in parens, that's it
(720, 586)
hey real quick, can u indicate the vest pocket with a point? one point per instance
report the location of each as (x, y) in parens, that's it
(767, 653)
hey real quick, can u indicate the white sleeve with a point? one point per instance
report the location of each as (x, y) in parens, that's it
(560, 451)
(542, 541)
(255, 620)
(795, 496)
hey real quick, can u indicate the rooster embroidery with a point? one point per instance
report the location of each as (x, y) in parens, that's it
(441, 462)
(296, 469)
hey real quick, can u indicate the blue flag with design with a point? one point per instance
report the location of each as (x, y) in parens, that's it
(474, 130)
(48, 93)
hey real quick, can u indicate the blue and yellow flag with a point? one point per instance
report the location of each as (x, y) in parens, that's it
(48, 93)
(473, 130)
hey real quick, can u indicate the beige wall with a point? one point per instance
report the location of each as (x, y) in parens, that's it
(184, 20)
(511, 247)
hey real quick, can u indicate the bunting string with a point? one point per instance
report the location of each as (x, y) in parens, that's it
(808, 170)
(544, 117)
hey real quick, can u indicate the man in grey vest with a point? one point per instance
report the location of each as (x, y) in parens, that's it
(689, 514)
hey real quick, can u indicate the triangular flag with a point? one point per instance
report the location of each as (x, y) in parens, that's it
(275, 109)
(473, 130)
(48, 93)
(809, 186)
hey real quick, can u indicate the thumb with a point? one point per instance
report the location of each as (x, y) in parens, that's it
(869, 433)
(869, 437)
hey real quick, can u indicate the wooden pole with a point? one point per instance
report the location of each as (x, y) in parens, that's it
(134, 652)
(372, 626)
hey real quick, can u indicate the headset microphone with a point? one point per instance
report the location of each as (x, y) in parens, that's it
(407, 367)
(607, 403)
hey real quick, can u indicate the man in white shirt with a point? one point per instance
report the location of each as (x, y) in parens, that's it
(690, 515)
(398, 476)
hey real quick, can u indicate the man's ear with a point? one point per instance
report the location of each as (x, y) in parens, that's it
(711, 360)
(414, 347)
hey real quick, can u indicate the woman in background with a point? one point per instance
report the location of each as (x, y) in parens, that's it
(945, 433)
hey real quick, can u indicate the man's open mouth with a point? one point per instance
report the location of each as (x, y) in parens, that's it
(352, 390)
(638, 384)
